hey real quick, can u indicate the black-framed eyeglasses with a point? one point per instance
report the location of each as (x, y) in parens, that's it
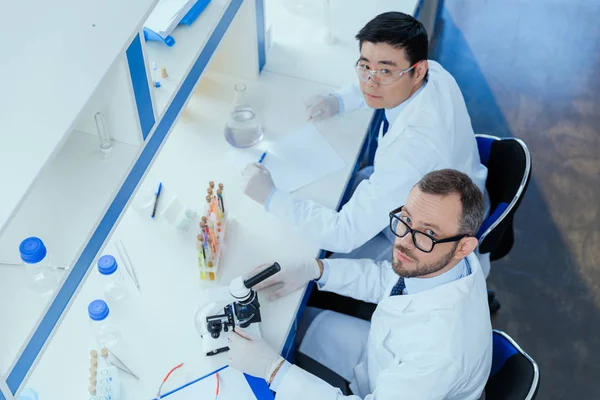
(421, 240)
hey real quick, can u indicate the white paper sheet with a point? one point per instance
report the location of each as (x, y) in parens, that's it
(299, 158)
(232, 386)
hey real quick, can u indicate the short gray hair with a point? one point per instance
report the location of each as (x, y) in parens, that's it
(448, 181)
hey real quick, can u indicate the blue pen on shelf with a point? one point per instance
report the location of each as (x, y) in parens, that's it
(157, 194)
(261, 159)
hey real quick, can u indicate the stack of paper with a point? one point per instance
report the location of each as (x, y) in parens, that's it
(299, 158)
(166, 16)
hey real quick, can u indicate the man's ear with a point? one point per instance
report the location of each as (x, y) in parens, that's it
(421, 71)
(466, 246)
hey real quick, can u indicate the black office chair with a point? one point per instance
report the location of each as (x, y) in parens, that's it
(514, 375)
(509, 169)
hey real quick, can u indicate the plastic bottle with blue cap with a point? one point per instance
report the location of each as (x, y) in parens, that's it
(42, 272)
(113, 279)
(104, 331)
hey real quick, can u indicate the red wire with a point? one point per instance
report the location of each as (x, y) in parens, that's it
(217, 384)
(171, 371)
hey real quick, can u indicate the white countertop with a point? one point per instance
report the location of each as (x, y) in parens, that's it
(157, 324)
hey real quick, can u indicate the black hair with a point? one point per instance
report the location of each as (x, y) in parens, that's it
(399, 30)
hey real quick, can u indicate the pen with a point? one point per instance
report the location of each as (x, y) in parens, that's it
(260, 160)
(157, 194)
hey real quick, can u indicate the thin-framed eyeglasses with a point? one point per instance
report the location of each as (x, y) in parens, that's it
(421, 240)
(384, 76)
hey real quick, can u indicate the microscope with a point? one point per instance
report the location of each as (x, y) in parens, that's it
(239, 307)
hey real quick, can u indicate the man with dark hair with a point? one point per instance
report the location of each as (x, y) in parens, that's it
(420, 124)
(430, 336)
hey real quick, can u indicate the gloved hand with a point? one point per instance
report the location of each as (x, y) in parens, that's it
(252, 355)
(294, 276)
(321, 107)
(257, 182)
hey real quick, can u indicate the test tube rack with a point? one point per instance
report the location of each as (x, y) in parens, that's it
(104, 381)
(212, 228)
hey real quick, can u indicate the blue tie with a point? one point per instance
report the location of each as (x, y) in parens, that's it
(398, 287)
(378, 119)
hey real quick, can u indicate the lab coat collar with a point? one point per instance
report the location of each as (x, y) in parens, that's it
(438, 298)
(416, 285)
(392, 114)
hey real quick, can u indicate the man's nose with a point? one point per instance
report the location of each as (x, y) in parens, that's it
(371, 81)
(405, 241)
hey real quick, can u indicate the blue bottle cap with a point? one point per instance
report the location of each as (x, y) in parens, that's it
(107, 265)
(32, 250)
(98, 310)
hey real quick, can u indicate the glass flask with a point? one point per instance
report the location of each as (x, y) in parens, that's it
(243, 128)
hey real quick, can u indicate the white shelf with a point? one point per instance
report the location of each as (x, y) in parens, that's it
(178, 60)
(297, 48)
(158, 325)
(62, 208)
(61, 52)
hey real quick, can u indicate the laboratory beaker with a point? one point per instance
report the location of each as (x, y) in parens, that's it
(43, 274)
(114, 283)
(106, 335)
(243, 128)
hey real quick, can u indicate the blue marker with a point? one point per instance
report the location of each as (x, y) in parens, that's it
(157, 194)
(260, 160)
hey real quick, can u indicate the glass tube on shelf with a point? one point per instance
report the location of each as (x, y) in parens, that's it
(105, 141)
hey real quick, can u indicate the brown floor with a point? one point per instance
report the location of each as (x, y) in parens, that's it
(530, 69)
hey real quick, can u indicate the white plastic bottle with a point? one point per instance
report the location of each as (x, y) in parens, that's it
(113, 280)
(43, 274)
(105, 333)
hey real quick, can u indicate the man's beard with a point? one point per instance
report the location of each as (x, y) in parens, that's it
(420, 269)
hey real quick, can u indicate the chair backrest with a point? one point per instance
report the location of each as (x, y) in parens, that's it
(514, 375)
(509, 169)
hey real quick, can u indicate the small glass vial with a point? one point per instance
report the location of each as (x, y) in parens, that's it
(106, 335)
(114, 283)
(243, 128)
(103, 135)
(43, 274)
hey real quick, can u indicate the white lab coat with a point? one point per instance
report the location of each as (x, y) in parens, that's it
(436, 344)
(432, 131)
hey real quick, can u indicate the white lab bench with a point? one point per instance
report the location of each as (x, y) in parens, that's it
(56, 184)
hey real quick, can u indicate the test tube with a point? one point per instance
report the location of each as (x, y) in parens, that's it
(105, 142)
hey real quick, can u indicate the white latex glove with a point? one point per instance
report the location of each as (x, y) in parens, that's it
(252, 355)
(321, 107)
(257, 182)
(294, 276)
